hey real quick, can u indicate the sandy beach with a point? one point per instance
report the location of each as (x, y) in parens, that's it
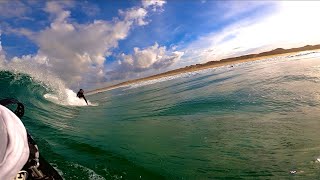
(213, 64)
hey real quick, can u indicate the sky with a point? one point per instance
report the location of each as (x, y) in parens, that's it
(91, 44)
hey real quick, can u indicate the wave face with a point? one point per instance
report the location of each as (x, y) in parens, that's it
(20, 86)
(256, 120)
(50, 112)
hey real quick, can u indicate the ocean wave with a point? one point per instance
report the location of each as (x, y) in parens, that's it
(305, 54)
(167, 78)
(71, 99)
(28, 83)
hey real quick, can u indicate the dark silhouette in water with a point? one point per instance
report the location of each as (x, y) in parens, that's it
(80, 95)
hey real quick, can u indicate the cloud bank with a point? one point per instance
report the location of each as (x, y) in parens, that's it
(77, 52)
(13, 10)
(150, 58)
(83, 52)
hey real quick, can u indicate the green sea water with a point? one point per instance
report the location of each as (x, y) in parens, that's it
(258, 120)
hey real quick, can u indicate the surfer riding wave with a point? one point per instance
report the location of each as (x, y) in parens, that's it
(80, 95)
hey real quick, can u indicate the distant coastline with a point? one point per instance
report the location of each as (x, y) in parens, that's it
(212, 64)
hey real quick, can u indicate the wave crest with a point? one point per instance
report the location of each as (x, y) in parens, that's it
(29, 83)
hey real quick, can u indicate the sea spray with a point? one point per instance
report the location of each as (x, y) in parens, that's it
(57, 91)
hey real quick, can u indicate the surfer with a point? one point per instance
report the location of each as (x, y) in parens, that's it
(80, 95)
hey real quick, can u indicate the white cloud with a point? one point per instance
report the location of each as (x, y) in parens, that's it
(13, 9)
(77, 52)
(136, 14)
(89, 9)
(154, 4)
(56, 7)
(292, 24)
(142, 60)
(234, 9)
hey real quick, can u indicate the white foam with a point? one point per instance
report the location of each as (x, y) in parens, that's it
(69, 99)
(304, 54)
(37, 73)
(91, 174)
(60, 94)
(168, 78)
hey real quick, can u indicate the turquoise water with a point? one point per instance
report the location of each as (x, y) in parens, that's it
(256, 120)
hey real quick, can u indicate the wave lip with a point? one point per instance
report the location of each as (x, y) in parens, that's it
(32, 84)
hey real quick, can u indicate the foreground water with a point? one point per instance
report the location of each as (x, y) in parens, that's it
(256, 120)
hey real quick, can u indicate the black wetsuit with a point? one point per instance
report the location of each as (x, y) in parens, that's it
(80, 95)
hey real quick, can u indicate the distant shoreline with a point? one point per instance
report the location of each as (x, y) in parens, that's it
(213, 64)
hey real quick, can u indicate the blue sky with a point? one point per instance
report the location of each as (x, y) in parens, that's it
(96, 43)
